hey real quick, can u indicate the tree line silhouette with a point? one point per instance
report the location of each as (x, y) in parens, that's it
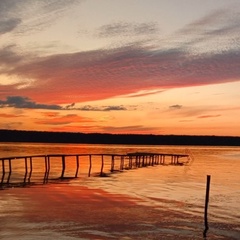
(107, 138)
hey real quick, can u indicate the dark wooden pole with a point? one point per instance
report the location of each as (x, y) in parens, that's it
(90, 165)
(3, 170)
(26, 169)
(10, 169)
(102, 166)
(46, 170)
(121, 163)
(63, 166)
(77, 162)
(30, 173)
(49, 166)
(112, 164)
(130, 162)
(206, 206)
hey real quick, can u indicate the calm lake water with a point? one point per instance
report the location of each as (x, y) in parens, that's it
(177, 188)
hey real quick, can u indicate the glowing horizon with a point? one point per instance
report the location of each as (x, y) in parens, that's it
(86, 66)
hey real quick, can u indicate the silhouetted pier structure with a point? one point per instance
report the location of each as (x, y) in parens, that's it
(60, 162)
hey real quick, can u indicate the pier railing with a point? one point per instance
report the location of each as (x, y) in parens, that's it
(20, 169)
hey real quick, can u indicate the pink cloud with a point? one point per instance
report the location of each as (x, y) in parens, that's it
(103, 74)
(134, 67)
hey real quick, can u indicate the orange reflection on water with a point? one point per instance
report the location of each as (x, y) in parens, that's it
(84, 210)
(62, 211)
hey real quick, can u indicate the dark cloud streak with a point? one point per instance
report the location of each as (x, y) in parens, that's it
(24, 102)
(102, 108)
(128, 29)
(37, 14)
(176, 106)
(9, 25)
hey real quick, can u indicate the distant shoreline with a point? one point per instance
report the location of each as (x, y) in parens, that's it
(107, 138)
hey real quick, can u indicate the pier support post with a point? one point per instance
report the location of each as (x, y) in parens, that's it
(143, 160)
(26, 169)
(10, 170)
(122, 163)
(46, 159)
(30, 173)
(3, 171)
(112, 164)
(130, 163)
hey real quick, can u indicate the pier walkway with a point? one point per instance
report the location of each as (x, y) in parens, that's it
(20, 169)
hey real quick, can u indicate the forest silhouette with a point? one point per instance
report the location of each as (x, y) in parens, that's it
(107, 138)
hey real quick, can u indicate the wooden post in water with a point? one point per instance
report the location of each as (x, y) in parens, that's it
(10, 170)
(130, 162)
(45, 174)
(122, 163)
(30, 173)
(143, 160)
(49, 166)
(162, 159)
(26, 169)
(206, 206)
(63, 166)
(112, 164)
(102, 166)
(90, 165)
(77, 161)
(138, 161)
(3, 170)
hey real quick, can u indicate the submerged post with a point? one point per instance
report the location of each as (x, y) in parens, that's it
(77, 161)
(130, 162)
(30, 173)
(10, 170)
(26, 169)
(90, 165)
(46, 170)
(102, 166)
(112, 163)
(3, 171)
(206, 206)
(63, 166)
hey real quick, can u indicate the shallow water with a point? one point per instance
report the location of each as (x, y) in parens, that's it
(177, 189)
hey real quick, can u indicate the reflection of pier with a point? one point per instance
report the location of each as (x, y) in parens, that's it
(114, 162)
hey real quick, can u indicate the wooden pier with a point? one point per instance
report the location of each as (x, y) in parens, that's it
(106, 164)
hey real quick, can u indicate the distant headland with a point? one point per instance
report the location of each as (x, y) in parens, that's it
(106, 138)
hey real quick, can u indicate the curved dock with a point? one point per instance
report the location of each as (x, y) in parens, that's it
(103, 164)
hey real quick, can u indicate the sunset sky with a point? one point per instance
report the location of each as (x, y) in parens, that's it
(121, 66)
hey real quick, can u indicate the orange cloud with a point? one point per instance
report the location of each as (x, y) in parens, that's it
(138, 129)
(63, 120)
(7, 115)
(50, 114)
(210, 116)
(76, 128)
